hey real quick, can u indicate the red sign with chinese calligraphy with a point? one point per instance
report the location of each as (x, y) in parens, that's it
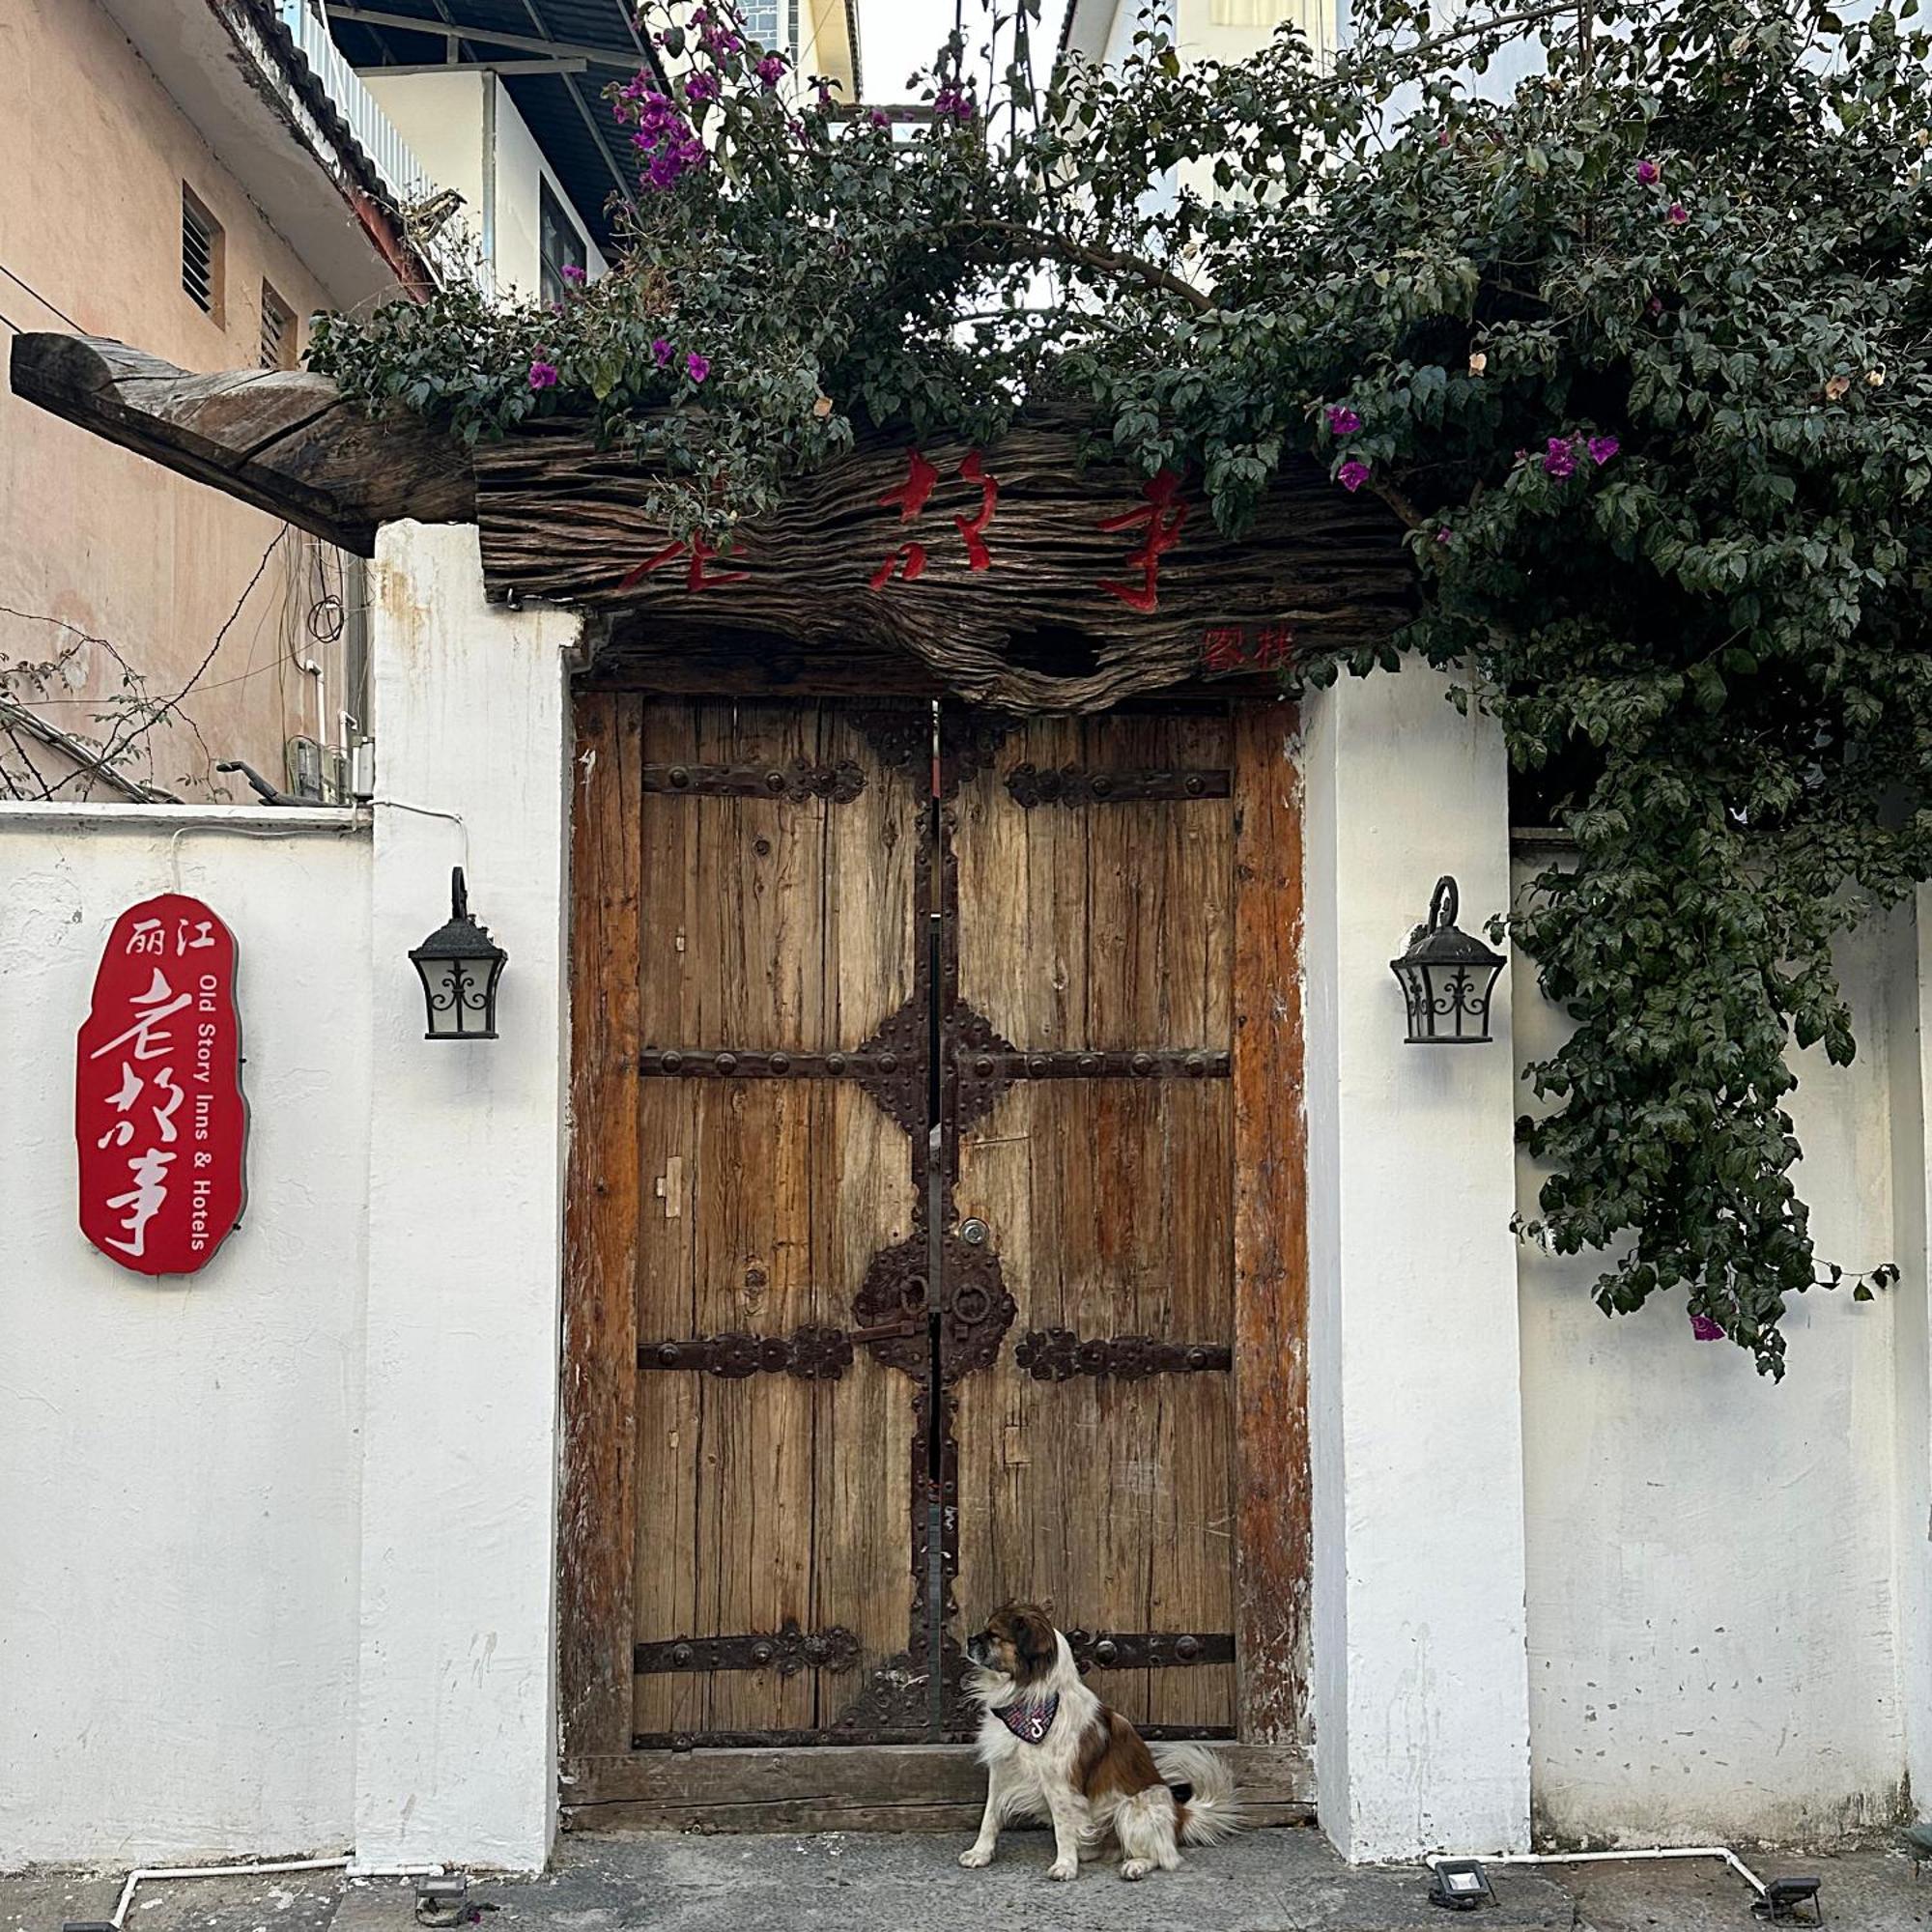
(159, 1116)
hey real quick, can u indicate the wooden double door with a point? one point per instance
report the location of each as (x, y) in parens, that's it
(908, 1269)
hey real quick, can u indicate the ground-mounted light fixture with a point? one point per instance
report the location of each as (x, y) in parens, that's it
(1446, 977)
(1784, 1898)
(459, 966)
(443, 1898)
(1459, 1885)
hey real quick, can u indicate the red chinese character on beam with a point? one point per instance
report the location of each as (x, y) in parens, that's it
(911, 495)
(695, 575)
(973, 529)
(1162, 518)
(1274, 646)
(1225, 649)
(910, 499)
(912, 555)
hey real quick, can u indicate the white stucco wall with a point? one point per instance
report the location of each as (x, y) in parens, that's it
(180, 1460)
(1420, 1701)
(455, 1701)
(445, 119)
(1716, 1562)
(278, 1559)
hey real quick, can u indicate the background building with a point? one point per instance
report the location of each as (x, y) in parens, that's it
(232, 177)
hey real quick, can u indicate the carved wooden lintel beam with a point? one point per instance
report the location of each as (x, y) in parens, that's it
(1033, 576)
(283, 440)
(1024, 577)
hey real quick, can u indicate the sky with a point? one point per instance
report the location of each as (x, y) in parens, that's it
(898, 36)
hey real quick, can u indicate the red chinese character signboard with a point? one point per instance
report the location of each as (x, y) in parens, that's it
(159, 1116)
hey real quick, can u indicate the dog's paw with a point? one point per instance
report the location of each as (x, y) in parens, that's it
(1135, 1868)
(1063, 1868)
(973, 1858)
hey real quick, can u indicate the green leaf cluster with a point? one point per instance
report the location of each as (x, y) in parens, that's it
(1635, 348)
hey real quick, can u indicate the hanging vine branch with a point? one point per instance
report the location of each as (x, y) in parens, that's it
(1636, 349)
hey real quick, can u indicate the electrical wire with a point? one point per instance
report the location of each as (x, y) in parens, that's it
(121, 743)
(54, 308)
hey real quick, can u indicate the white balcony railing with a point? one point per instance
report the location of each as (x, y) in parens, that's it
(407, 181)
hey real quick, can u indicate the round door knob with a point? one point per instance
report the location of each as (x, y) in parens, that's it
(974, 1233)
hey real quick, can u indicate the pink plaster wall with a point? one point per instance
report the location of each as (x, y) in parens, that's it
(93, 156)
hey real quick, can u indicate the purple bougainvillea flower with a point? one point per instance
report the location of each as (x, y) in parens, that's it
(1678, 215)
(1559, 457)
(1343, 420)
(1654, 306)
(771, 69)
(697, 366)
(667, 138)
(1602, 448)
(1353, 475)
(701, 87)
(953, 100)
(1444, 535)
(660, 352)
(1704, 1329)
(543, 375)
(880, 118)
(1646, 172)
(572, 273)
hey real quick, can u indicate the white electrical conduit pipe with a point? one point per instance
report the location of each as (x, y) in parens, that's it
(147, 1874)
(1723, 1852)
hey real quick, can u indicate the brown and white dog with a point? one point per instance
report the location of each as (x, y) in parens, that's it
(1052, 1749)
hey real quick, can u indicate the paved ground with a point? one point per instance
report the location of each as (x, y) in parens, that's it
(1270, 1882)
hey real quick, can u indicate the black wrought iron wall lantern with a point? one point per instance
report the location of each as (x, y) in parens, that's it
(459, 966)
(1447, 978)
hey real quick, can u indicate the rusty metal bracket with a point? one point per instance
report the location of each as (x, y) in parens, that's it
(1059, 1355)
(892, 1065)
(797, 781)
(1149, 1650)
(1070, 784)
(811, 1353)
(787, 1650)
(894, 1306)
(968, 742)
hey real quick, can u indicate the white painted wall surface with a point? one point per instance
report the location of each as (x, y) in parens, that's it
(1420, 1698)
(441, 116)
(1715, 1560)
(520, 175)
(445, 119)
(180, 1460)
(455, 1744)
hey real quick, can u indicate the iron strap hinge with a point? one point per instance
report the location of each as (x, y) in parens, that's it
(787, 1650)
(811, 1353)
(1070, 784)
(1169, 1062)
(1149, 1650)
(796, 782)
(1059, 1355)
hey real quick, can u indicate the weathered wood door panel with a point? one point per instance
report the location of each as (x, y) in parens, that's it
(776, 923)
(911, 1262)
(1096, 1470)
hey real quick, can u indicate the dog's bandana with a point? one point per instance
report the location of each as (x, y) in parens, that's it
(1028, 1722)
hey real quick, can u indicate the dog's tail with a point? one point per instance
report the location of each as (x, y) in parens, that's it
(1207, 1807)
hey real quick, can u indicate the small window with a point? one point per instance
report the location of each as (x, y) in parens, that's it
(278, 332)
(560, 246)
(201, 256)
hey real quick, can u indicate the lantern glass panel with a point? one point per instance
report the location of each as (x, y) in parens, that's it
(1446, 977)
(460, 993)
